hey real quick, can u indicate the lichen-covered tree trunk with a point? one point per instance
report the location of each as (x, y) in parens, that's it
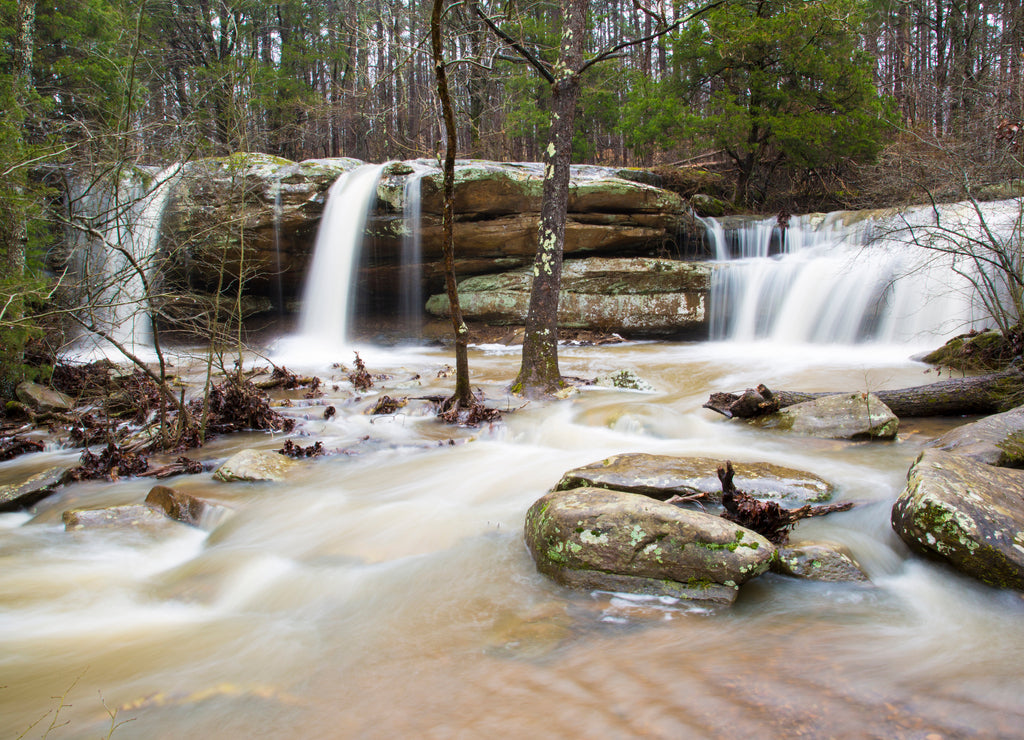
(539, 374)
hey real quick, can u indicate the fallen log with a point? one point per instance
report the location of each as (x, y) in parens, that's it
(980, 394)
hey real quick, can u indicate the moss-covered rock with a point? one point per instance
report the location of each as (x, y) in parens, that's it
(994, 440)
(818, 561)
(967, 513)
(987, 350)
(664, 476)
(593, 538)
(639, 296)
(839, 416)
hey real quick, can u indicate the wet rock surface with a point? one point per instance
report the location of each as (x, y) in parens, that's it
(818, 561)
(967, 513)
(35, 488)
(254, 465)
(43, 399)
(131, 516)
(592, 538)
(839, 416)
(664, 476)
(185, 508)
(994, 440)
(638, 296)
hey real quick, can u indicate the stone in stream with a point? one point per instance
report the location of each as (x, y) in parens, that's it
(130, 516)
(995, 440)
(254, 465)
(592, 538)
(664, 476)
(839, 416)
(818, 561)
(966, 513)
(22, 495)
(185, 508)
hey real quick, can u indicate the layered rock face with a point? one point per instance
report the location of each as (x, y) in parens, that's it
(258, 216)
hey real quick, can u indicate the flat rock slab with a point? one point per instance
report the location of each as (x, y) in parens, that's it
(22, 495)
(840, 416)
(254, 465)
(994, 440)
(132, 516)
(818, 561)
(592, 538)
(664, 476)
(43, 399)
(967, 513)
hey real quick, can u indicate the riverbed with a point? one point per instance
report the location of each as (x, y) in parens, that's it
(385, 590)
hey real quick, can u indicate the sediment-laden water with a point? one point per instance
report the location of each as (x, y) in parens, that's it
(386, 591)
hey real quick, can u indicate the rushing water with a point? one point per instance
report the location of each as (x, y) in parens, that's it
(386, 591)
(411, 300)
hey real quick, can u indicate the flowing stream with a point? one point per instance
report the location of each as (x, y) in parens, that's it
(386, 591)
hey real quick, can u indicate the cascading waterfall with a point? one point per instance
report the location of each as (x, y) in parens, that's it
(115, 229)
(277, 286)
(838, 280)
(411, 269)
(329, 294)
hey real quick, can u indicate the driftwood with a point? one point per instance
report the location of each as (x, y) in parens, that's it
(981, 394)
(767, 518)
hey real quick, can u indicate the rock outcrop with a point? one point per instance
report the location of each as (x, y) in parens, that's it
(967, 513)
(272, 207)
(638, 297)
(593, 538)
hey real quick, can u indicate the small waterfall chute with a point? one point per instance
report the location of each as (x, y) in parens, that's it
(328, 299)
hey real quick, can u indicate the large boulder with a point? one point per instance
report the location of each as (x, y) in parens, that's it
(995, 440)
(664, 476)
(639, 296)
(592, 538)
(839, 416)
(966, 513)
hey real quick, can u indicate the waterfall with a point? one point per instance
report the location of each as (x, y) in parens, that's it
(278, 288)
(411, 299)
(114, 230)
(329, 294)
(845, 278)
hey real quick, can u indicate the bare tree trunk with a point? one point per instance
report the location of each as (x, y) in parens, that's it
(463, 396)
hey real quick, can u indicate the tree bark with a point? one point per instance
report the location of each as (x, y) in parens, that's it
(982, 394)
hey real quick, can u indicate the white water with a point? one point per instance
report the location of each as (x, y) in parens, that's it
(844, 283)
(411, 300)
(115, 231)
(329, 296)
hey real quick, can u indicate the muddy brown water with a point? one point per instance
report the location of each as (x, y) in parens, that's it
(386, 591)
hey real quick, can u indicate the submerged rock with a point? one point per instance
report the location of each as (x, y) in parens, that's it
(966, 513)
(664, 476)
(818, 561)
(994, 440)
(592, 538)
(638, 296)
(625, 379)
(254, 465)
(839, 416)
